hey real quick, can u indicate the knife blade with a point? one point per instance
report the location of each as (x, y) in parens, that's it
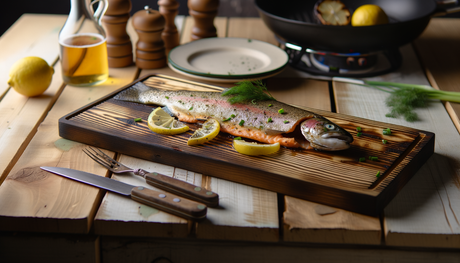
(161, 200)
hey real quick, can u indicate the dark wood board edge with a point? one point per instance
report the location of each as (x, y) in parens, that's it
(369, 204)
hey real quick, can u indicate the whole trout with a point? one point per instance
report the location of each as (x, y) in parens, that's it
(263, 121)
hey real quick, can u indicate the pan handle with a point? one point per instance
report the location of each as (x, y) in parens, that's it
(445, 7)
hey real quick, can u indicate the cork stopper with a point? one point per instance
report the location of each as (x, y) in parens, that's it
(148, 20)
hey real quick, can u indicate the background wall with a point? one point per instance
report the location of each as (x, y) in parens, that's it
(13, 9)
(10, 12)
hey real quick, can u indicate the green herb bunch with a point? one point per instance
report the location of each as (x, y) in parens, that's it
(404, 98)
(248, 91)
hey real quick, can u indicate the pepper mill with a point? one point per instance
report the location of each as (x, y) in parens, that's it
(169, 9)
(119, 46)
(203, 12)
(150, 49)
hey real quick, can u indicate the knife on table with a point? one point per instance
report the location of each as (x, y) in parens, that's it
(161, 200)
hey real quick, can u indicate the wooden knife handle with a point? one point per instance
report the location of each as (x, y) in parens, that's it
(170, 203)
(182, 188)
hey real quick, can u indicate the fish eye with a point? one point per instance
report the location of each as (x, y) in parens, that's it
(329, 126)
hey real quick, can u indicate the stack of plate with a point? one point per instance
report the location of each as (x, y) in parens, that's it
(227, 59)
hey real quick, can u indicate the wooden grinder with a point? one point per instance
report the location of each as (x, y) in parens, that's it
(170, 35)
(203, 12)
(119, 46)
(150, 49)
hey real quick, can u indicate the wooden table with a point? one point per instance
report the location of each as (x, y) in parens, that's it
(48, 218)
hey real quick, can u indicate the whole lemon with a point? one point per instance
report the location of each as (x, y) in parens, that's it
(30, 76)
(369, 15)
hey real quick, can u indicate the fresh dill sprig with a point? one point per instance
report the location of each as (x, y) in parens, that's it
(248, 90)
(404, 98)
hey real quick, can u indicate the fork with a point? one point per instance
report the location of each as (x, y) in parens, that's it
(158, 180)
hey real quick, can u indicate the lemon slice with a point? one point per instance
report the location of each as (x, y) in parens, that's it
(332, 12)
(160, 122)
(252, 148)
(207, 132)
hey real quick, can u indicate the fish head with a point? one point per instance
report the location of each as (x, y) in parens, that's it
(325, 135)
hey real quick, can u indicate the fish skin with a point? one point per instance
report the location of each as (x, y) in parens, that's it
(192, 106)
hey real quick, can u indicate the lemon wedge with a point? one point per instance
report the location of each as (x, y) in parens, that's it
(207, 132)
(252, 148)
(369, 15)
(30, 76)
(160, 122)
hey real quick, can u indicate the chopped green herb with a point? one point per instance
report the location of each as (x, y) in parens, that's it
(241, 123)
(325, 129)
(233, 115)
(378, 174)
(237, 138)
(269, 120)
(224, 120)
(191, 108)
(249, 40)
(362, 159)
(384, 141)
(167, 97)
(281, 111)
(138, 119)
(269, 105)
(358, 129)
(359, 134)
(247, 91)
(387, 131)
(253, 101)
(286, 122)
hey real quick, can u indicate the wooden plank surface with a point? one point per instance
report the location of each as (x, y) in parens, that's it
(20, 115)
(425, 213)
(438, 50)
(37, 201)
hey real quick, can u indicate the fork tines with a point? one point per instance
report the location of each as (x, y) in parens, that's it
(101, 158)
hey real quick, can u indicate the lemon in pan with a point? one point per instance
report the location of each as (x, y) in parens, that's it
(369, 15)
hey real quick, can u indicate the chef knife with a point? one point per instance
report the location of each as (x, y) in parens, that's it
(161, 200)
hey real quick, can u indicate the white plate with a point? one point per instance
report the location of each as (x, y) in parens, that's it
(229, 58)
(219, 80)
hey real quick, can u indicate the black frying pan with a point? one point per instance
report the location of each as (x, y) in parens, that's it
(293, 20)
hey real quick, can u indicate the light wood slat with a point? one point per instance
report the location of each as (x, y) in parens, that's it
(120, 216)
(301, 221)
(438, 50)
(427, 210)
(38, 201)
(306, 221)
(191, 251)
(250, 27)
(31, 35)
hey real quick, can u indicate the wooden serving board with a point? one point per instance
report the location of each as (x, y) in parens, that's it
(332, 178)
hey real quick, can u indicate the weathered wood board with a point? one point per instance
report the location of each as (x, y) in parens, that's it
(333, 178)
